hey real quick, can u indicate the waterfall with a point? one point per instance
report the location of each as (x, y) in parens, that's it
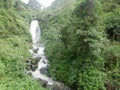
(35, 32)
(37, 65)
(38, 69)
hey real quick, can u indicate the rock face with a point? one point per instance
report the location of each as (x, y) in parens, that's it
(37, 64)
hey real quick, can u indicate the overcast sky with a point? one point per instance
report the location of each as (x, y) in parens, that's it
(44, 3)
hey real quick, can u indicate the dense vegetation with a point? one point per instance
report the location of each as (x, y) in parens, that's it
(14, 48)
(82, 39)
(82, 43)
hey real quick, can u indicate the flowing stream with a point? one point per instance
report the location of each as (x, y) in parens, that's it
(37, 64)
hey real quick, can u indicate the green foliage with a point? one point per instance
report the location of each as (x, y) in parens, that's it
(2, 70)
(92, 79)
(112, 18)
(74, 33)
(78, 48)
(14, 50)
(11, 23)
(112, 64)
(24, 83)
(112, 24)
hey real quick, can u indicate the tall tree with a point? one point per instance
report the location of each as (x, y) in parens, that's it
(81, 47)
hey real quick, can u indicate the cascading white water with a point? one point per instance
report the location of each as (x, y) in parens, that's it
(35, 32)
(39, 58)
(43, 62)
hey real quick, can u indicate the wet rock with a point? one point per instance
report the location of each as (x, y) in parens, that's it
(28, 67)
(34, 62)
(37, 59)
(35, 50)
(33, 69)
(43, 82)
(45, 61)
(31, 65)
(43, 70)
(28, 61)
(36, 66)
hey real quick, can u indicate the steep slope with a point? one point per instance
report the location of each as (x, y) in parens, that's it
(14, 50)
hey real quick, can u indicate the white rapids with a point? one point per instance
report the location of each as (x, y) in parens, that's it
(43, 62)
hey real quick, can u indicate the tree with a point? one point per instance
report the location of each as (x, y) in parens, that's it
(79, 51)
(80, 54)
